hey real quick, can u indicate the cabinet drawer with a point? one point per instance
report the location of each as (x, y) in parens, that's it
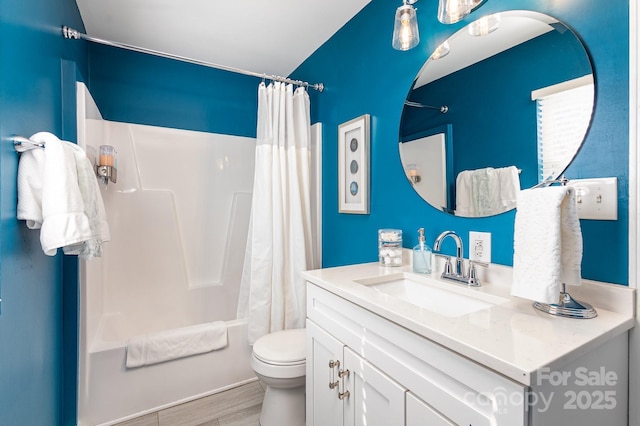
(463, 391)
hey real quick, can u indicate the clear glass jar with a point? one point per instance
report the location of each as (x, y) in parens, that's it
(390, 247)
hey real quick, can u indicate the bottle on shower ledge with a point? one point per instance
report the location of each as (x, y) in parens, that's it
(421, 255)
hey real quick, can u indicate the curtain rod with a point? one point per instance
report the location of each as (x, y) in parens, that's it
(443, 109)
(70, 33)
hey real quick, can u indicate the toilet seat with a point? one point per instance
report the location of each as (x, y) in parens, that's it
(282, 347)
(280, 354)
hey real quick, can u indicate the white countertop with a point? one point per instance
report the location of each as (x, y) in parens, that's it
(511, 338)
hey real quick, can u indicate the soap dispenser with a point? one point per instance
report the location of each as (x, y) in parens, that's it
(421, 255)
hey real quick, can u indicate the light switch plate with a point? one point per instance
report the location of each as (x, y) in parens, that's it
(596, 198)
(480, 246)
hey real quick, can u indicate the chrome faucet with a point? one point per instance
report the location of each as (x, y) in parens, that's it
(456, 272)
(436, 247)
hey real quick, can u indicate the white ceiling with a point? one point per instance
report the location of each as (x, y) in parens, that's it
(264, 36)
(516, 27)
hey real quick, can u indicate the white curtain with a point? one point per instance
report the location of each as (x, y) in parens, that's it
(279, 246)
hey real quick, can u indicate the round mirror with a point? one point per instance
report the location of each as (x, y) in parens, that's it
(503, 104)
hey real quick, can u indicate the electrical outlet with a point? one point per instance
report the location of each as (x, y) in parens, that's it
(480, 246)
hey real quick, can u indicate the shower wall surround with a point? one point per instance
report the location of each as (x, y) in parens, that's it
(179, 216)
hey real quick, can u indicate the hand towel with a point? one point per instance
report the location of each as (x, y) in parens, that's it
(53, 197)
(547, 243)
(486, 191)
(177, 343)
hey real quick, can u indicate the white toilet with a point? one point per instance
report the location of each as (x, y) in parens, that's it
(279, 360)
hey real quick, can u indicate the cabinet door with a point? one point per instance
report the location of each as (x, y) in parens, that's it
(419, 413)
(374, 398)
(324, 408)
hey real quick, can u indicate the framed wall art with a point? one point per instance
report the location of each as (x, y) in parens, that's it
(353, 166)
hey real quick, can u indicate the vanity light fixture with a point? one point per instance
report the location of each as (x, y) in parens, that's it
(485, 25)
(452, 11)
(441, 51)
(106, 165)
(414, 176)
(405, 29)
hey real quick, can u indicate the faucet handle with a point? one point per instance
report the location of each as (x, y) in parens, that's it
(448, 267)
(474, 281)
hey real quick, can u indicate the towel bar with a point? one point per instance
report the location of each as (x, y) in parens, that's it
(562, 180)
(21, 140)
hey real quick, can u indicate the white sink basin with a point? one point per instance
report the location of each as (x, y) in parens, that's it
(433, 295)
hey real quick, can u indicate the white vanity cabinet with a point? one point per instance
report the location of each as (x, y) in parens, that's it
(348, 390)
(504, 364)
(395, 377)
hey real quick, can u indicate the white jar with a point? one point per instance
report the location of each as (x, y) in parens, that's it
(390, 247)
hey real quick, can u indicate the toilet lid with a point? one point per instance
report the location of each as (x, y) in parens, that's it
(282, 347)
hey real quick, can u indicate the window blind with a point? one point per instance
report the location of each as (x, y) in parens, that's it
(563, 118)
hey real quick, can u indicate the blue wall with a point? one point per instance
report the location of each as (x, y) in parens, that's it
(143, 89)
(363, 74)
(35, 388)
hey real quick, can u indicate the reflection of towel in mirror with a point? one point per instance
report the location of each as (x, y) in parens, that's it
(487, 191)
(547, 243)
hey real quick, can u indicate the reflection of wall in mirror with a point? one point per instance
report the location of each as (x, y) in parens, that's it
(490, 103)
(428, 154)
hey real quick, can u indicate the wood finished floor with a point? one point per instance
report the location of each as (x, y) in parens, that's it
(235, 407)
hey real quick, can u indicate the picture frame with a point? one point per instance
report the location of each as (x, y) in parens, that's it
(354, 165)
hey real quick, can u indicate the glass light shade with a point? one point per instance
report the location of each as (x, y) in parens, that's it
(452, 11)
(485, 25)
(441, 51)
(107, 156)
(405, 28)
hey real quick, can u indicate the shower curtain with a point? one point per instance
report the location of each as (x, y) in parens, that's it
(279, 246)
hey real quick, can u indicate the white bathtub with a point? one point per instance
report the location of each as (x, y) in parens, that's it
(178, 217)
(113, 393)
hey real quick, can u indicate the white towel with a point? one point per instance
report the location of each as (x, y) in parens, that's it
(177, 343)
(30, 183)
(487, 191)
(93, 209)
(509, 179)
(464, 195)
(547, 243)
(53, 197)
